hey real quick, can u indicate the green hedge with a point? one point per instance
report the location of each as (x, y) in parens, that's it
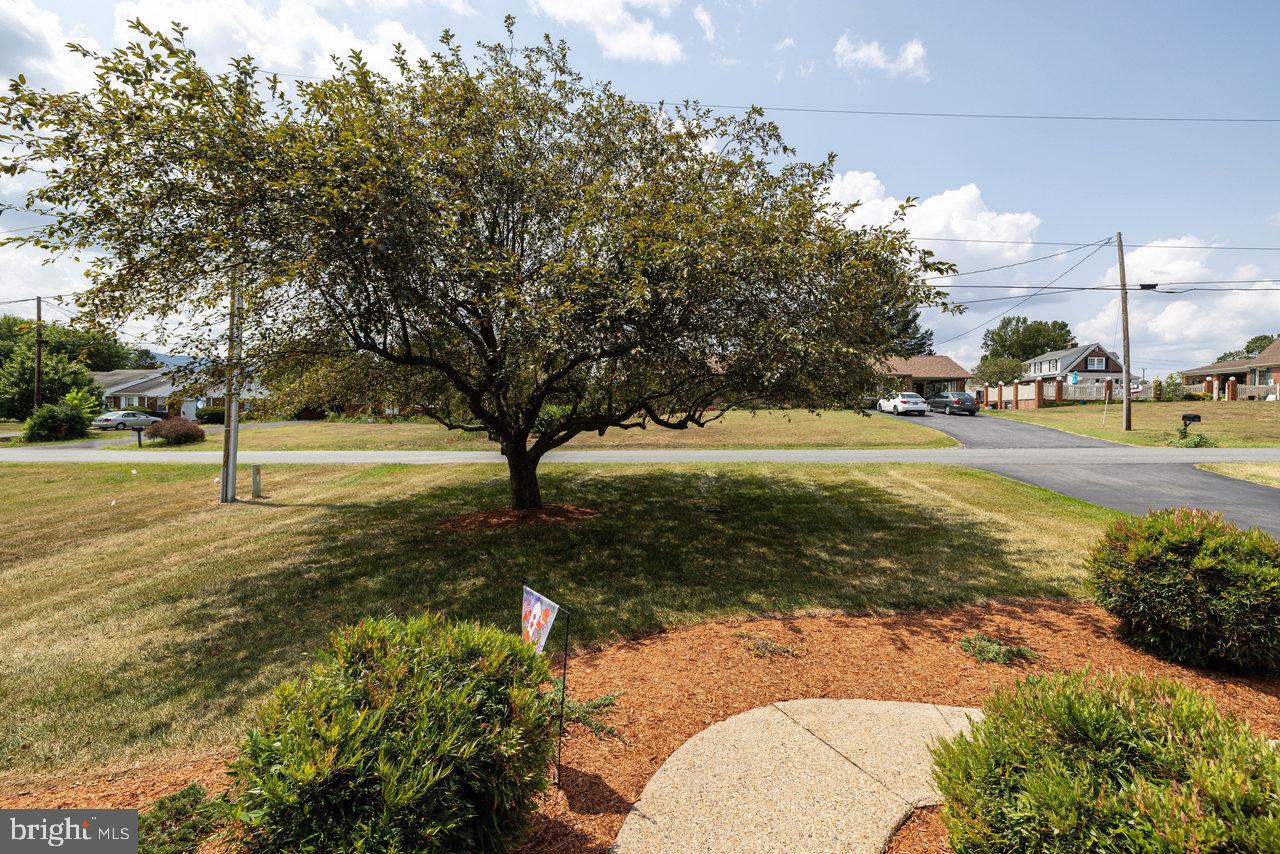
(1102, 763)
(56, 421)
(211, 415)
(1193, 588)
(420, 735)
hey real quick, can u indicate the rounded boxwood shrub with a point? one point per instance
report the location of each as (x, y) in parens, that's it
(1107, 763)
(55, 421)
(421, 735)
(211, 415)
(175, 431)
(1193, 588)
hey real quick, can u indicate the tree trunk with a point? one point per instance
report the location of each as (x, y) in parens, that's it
(523, 470)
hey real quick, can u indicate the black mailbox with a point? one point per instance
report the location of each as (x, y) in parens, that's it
(1190, 418)
(139, 430)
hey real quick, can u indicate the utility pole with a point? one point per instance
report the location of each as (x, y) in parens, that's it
(39, 352)
(231, 403)
(1124, 322)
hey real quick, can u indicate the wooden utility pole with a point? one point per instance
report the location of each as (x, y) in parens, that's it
(231, 403)
(39, 353)
(1124, 322)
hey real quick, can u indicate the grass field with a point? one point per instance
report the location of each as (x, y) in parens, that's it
(1234, 424)
(1267, 474)
(792, 429)
(138, 615)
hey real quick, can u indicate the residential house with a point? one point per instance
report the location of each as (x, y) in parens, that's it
(153, 389)
(1262, 372)
(928, 375)
(1092, 363)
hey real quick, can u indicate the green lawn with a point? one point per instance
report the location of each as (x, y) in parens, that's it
(158, 622)
(775, 429)
(1234, 424)
(1267, 474)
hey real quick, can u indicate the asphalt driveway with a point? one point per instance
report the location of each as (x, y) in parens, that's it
(1098, 478)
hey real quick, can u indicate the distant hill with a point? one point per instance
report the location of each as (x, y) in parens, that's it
(172, 361)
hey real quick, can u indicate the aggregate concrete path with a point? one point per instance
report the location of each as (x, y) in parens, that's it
(798, 776)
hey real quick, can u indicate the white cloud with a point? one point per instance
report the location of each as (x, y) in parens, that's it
(785, 44)
(33, 43)
(291, 35)
(1274, 219)
(804, 69)
(703, 17)
(619, 32)
(958, 213)
(910, 60)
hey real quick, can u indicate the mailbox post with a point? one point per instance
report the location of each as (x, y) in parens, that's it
(1188, 418)
(138, 430)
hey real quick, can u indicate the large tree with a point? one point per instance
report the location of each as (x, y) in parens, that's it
(516, 251)
(96, 349)
(1252, 348)
(1022, 339)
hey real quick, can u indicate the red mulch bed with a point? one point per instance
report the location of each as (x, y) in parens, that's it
(679, 682)
(923, 833)
(501, 518)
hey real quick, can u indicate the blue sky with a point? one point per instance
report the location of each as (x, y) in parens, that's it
(1189, 184)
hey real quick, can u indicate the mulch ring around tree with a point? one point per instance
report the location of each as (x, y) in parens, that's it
(500, 518)
(679, 682)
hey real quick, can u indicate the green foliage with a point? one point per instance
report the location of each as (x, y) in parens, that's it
(58, 376)
(1081, 762)
(993, 370)
(1168, 390)
(211, 415)
(175, 431)
(986, 648)
(96, 350)
(84, 399)
(1191, 440)
(419, 735)
(584, 248)
(56, 421)
(588, 713)
(1022, 339)
(1252, 348)
(1193, 588)
(178, 823)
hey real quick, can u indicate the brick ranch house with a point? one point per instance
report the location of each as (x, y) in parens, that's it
(1259, 376)
(927, 375)
(152, 389)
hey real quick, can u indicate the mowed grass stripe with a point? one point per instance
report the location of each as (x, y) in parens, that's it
(127, 643)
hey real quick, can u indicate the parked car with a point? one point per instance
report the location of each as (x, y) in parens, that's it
(123, 420)
(901, 404)
(952, 402)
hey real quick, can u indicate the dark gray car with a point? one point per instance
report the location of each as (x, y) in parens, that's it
(952, 402)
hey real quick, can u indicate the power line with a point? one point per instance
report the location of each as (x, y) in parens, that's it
(988, 321)
(1007, 266)
(1052, 117)
(1085, 245)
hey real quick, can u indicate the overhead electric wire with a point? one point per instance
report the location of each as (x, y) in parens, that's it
(1082, 245)
(1007, 266)
(1050, 117)
(1098, 246)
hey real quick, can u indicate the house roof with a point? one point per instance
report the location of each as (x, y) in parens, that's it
(149, 385)
(1070, 356)
(1269, 356)
(1229, 366)
(113, 380)
(927, 367)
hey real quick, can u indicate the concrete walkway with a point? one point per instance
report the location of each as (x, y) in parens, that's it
(799, 776)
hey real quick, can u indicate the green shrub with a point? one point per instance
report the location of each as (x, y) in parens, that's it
(1194, 395)
(211, 415)
(175, 431)
(55, 421)
(1193, 440)
(84, 399)
(1086, 762)
(985, 648)
(1193, 588)
(420, 735)
(178, 823)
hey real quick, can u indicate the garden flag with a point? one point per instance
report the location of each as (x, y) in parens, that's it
(537, 613)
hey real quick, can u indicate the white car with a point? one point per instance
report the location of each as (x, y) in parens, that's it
(901, 404)
(123, 420)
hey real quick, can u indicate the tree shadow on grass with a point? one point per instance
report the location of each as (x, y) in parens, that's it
(670, 548)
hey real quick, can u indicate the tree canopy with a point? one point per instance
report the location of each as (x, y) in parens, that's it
(1018, 338)
(993, 370)
(494, 240)
(1252, 348)
(95, 349)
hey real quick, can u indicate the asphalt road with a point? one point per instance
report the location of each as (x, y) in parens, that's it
(1101, 473)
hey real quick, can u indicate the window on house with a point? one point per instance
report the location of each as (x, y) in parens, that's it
(1053, 365)
(1097, 363)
